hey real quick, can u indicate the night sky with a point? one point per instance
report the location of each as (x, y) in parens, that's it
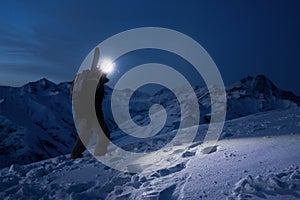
(50, 39)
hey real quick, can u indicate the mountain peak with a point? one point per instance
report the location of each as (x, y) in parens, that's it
(44, 81)
(39, 85)
(259, 84)
(262, 84)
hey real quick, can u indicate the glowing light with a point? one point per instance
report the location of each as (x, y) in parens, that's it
(107, 66)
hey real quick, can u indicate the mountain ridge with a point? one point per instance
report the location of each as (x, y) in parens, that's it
(36, 119)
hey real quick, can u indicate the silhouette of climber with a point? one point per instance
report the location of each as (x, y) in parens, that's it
(85, 103)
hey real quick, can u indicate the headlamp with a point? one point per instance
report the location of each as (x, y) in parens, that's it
(106, 66)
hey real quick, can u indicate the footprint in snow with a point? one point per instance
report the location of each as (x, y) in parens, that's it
(209, 150)
(195, 145)
(168, 171)
(178, 151)
(167, 193)
(188, 154)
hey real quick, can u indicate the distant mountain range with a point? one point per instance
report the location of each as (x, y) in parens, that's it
(36, 120)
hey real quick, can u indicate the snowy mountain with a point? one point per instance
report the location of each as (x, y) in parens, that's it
(257, 159)
(36, 121)
(259, 94)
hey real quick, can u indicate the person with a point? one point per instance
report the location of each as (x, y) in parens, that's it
(85, 103)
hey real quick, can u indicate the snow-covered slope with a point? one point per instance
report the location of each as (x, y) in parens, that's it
(36, 120)
(257, 159)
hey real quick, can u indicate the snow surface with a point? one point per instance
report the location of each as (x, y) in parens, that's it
(258, 158)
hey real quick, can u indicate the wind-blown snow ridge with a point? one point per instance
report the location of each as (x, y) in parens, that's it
(286, 182)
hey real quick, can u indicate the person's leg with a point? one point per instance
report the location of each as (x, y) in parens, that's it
(102, 140)
(78, 149)
(82, 140)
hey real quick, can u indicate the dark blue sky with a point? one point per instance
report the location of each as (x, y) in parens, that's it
(51, 39)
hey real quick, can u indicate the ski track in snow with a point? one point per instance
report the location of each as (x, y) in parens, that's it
(261, 164)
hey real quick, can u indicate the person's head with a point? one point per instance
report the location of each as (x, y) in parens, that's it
(104, 79)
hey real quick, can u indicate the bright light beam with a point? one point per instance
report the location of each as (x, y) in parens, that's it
(107, 66)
